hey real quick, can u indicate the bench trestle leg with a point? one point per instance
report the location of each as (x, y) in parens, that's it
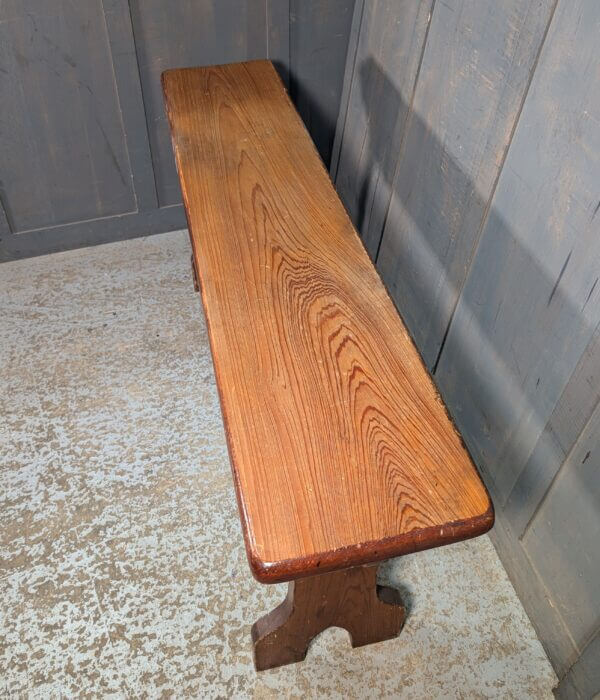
(349, 598)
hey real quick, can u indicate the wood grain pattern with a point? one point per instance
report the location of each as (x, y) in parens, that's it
(342, 451)
(350, 599)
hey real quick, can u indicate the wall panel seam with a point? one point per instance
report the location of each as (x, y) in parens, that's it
(6, 226)
(340, 129)
(156, 202)
(488, 206)
(566, 460)
(407, 120)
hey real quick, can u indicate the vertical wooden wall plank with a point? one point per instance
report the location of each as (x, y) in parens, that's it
(533, 594)
(351, 54)
(529, 307)
(392, 34)
(569, 417)
(474, 76)
(278, 37)
(5, 229)
(563, 538)
(127, 81)
(64, 155)
(319, 31)
(19, 152)
(583, 679)
(84, 37)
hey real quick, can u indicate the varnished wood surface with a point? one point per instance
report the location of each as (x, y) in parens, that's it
(342, 452)
(350, 599)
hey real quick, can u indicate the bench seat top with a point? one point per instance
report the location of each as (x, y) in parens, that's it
(341, 449)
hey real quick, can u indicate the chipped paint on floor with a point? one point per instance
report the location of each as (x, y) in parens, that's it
(122, 568)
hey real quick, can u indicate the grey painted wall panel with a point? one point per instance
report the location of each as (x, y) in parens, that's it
(474, 76)
(564, 536)
(569, 417)
(319, 31)
(278, 38)
(390, 34)
(532, 592)
(4, 227)
(93, 232)
(63, 148)
(351, 55)
(583, 680)
(521, 363)
(129, 90)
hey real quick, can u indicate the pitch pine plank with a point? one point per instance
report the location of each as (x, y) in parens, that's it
(341, 449)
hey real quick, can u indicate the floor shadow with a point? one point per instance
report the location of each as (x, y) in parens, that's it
(385, 579)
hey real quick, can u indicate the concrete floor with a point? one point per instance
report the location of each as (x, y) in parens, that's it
(122, 569)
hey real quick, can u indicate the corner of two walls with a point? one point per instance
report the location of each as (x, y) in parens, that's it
(107, 172)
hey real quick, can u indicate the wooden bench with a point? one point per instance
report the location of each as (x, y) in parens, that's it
(342, 452)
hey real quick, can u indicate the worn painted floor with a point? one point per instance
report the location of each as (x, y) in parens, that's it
(122, 570)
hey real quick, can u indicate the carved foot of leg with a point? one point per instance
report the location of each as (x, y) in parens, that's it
(350, 599)
(278, 638)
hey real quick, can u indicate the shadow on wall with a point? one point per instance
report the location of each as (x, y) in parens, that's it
(319, 124)
(318, 43)
(502, 408)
